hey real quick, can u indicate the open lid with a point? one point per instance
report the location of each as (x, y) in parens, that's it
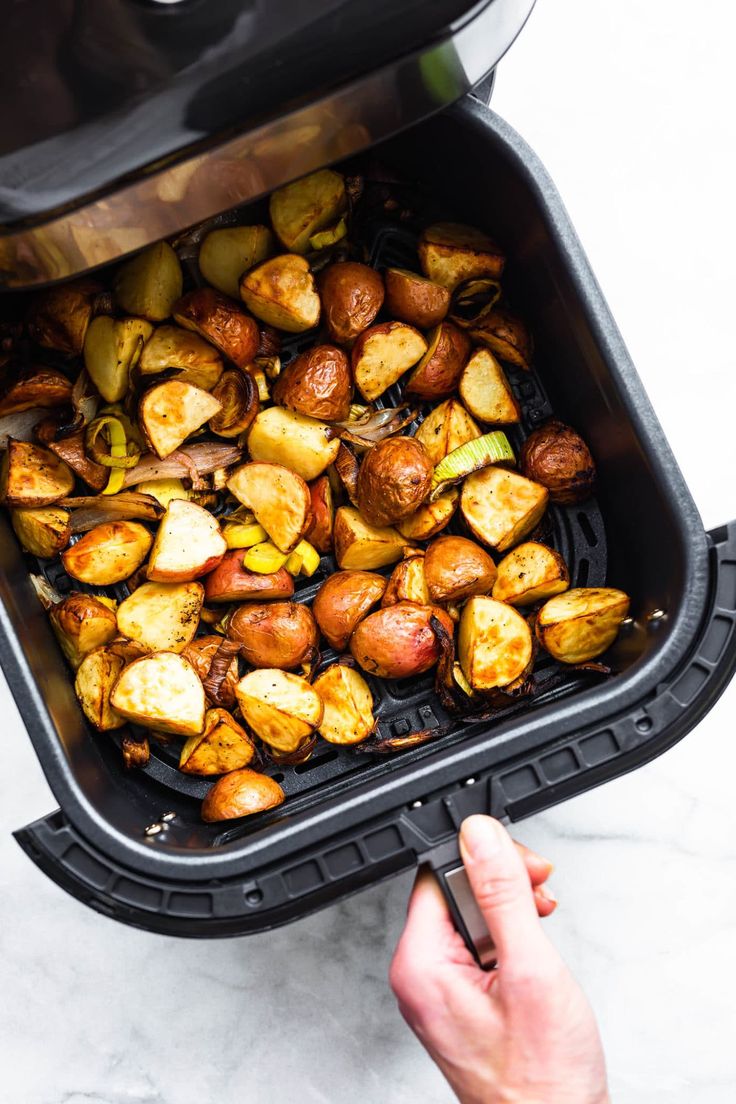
(126, 121)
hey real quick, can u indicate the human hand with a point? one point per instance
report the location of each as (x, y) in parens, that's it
(522, 1033)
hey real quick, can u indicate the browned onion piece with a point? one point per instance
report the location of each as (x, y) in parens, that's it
(46, 594)
(293, 758)
(373, 426)
(237, 392)
(20, 426)
(85, 401)
(136, 752)
(444, 681)
(219, 667)
(91, 510)
(387, 745)
(197, 460)
(347, 468)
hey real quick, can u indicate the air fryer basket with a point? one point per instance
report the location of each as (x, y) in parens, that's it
(132, 845)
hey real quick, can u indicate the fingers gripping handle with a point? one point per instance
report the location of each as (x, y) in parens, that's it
(447, 866)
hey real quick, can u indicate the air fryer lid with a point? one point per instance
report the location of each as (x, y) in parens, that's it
(128, 120)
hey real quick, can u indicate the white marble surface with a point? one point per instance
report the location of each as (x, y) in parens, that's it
(631, 107)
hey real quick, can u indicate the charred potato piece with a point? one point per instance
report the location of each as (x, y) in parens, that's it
(226, 254)
(42, 530)
(237, 393)
(582, 623)
(223, 746)
(72, 451)
(163, 692)
(319, 533)
(299, 210)
(501, 507)
(230, 582)
(486, 392)
(221, 322)
(438, 372)
(282, 709)
(31, 475)
(431, 518)
(495, 645)
(279, 499)
(446, 428)
(407, 582)
(394, 480)
(363, 546)
(558, 458)
(532, 572)
(302, 444)
(34, 388)
(450, 253)
(96, 676)
(506, 335)
(352, 295)
(382, 354)
(342, 601)
(414, 299)
(112, 348)
(108, 554)
(150, 284)
(169, 412)
(59, 316)
(81, 623)
(241, 793)
(171, 347)
(188, 544)
(275, 634)
(200, 653)
(348, 706)
(282, 293)
(456, 568)
(398, 641)
(317, 383)
(162, 617)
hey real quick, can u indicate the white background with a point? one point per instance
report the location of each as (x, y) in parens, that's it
(631, 106)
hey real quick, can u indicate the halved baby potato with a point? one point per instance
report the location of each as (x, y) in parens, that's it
(222, 746)
(446, 428)
(282, 709)
(231, 582)
(241, 793)
(438, 372)
(112, 348)
(275, 634)
(450, 252)
(381, 355)
(407, 582)
(82, 623)
(32, 388)
(278, 497)
(188, 544)
(42, 530)
(456, 568)
(505, 333)
(501, 507)
(31, 475)
(171, 347)
(494, 644)
(530, 573)
(96, 676)
(342, 601)
(226, 254)
(361, 546)
(348, 706)
(282, 293)
(486, 392)
(300, 443)
(317, 383)
(352, 295)
(431, 518)
(162, 617)
(150, 284)
(108, 554)
(320, 530)
(300, 209)
(415, 299)
(220, 321)
(169, 412)
(72, 451)
(399, 641)
(161, 691)
(581, 623)
(59, 316)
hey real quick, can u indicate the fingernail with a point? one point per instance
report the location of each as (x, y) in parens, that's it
(480, 837)
(546, 892)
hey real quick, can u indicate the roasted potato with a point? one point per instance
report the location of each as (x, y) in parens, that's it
(495, 645)
(161, 691)
(301, 209)
(188, 544)
(501, 507)
(394, 480)
(226, 254)
(381, 355)
(506, 335)
(72, 451)
(398, 641)
(31, 475)
(241, 793)
(438, 372)
(34, 387)
(221, 322)
(342, 601)
(558, 458)
(282, 709)
(97, 674)
(200, 652)
(361, 546)
(532, 572)
(162, 617)
(282, 293)
(414, 299)
(446, 428)
(82, 623)
(150, 284)
(108, 553)
(237, 393)
(163, 490)
(279, 499)
(59, 316)
(450, 253)
(230, 582)
(302, 444)
(223, 746)
(112, 348)
(169, 412)
(275, 634)
(486, 392)
(42, 530)
(319, 533)
(581, 623)
(407, 582)
(352, 295)
(456, 568)
(317, 383)
(348, 705)
(171, 347)
(431, 518)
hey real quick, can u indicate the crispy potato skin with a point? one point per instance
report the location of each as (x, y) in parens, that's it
(446, 428)
(343, 601)
(530, 573)
(582, 623)
(200, 653)
(81, 623)
(348, 705)
(495, 645)
(223, 746)
(320, 530)
(108, 554)
(398, 642)
(407, 582)
(394, 480)
(42, 530)
(456, 568)
(415, 299)
(558, 458)
(221, 321)
(282, 293)
(441, 367)
(241, 793)
(275, 634)
(31, 475)
(317, 383)
(34, 387)
(71, 450)
(352, 295)
(381, 355)
(161, 691)
(230, 582)
(59, 316)
(96, 676)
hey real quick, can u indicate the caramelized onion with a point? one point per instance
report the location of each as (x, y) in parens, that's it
(238, 395)
(186, 463)
(218, 671)
(91, 510)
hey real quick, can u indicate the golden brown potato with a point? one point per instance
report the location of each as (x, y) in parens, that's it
(226, 254)
(431, 518)
(456, 568)
(558, 458)
(394, 480)
(506, 335)
(398, 641)
(352, 295)
(241, 793)
(282, 293)
(342, 601)
(532, 572)
(162, 617)
(42, 530)
(237, 393)
(188, 544)
(34, 387)
(112, 348)
(171, 347)
(163, 692)
(223, 746)
(407, 582)
(319, 533)
(221, 322)
(446, 428)
(150, 284)
(302, 444)
(72, 451)
(81, 623)
(382, 354)
(200, 653)
(96, 676)
(361, 546)
(486, 392)
(348, 706)
(282, 709)
(581, 623)
(169, 412)
(108, 553)
(317, 383)
(230, 582)
(275, 634)
(494, 644)
(501, 507)
(438, 372)
(301, 209)
(59, 316)
(279, 499)
(414, 299)
(31, 475)
(450, 253)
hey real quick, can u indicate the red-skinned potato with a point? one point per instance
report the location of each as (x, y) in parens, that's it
(394, 480)
(352, 295)
(558, 458)
(82, 623)
(188, 544)
(319, 533)
(223, 746)
(108, 554)
(438, 372)
(431, 518)
(71, 450)
(59, 316)
(456, 568)
(398, 641)
(415, 299)
(241, 793)
(220, 321)
(317, 383)
(230, 582)
(31, 475)
(382, 354)
(342, 601)
(275, 634)
(200, 652)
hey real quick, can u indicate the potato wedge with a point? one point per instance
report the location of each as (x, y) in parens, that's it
(415, 299)
(31, 475)
(149, 284)
(381, 355)
(582, 623)
(352, 295)
(300, 209)
(162, 617)
(111, 348)
(226, 254)
(394, 480)
(230, 582)
(486, 392)
(72, 451)
(108, 554)
(407, 582)
(348, 706)
(501, 507)
(188, 544)
(220, 321)
(171, 347)
(169, 412)
(223, 746)
(456, 568)
(282, 709)
(317, 383)
(163, 692)
(241, 793)
(301, 444)
(42, 530)
(342, 601)
(494, 644)
(319, 533)
(532, 572)
(275, 634)
(398, 641)
(450, 253)
(82, 623)
(506, 335)
(361, 546)
(446, 428)
(282, 293)
(279, 499)
(59, 316)
(35, 387)
(200, 653)
(431, 518)
(96, 676)
(438, 372)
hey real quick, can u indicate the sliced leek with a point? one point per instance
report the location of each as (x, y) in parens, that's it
(264, 558)
(491, 448)
(244, 535)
